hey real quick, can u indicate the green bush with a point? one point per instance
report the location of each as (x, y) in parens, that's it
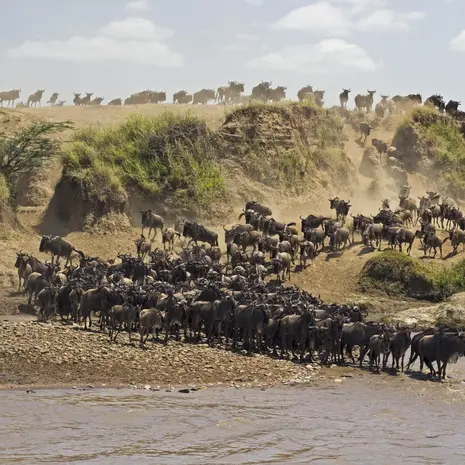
(395, 273)
(169, 156)
(427, 133)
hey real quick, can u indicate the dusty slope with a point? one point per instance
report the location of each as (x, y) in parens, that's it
(334, 276)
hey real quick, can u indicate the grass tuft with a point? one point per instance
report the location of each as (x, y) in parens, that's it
(395, 274)
(171, 156)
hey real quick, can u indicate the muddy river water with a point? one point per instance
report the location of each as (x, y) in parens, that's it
(350, 423)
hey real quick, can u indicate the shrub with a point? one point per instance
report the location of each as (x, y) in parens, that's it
(170, 156)
(395, 273)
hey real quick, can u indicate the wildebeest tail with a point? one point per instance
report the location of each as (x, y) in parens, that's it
(82, 254)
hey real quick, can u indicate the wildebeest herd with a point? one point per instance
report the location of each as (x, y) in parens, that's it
(233, 94)
(195, 295)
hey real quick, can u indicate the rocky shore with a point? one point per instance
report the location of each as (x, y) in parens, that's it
(53, 354)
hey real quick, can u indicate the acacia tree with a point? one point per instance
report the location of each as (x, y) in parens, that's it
(29, 147)
(26, 149)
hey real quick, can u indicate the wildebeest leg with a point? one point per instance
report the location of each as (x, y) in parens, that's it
(363, 351)
(167, 330)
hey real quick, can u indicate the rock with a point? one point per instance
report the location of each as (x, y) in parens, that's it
(338, 380)
(184, 391)
(30, 391)
(370, 164)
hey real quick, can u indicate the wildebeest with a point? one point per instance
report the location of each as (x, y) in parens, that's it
(282, 263)
(441, 348)
(203, 96)
(182, 97)
(9, 96)
(143, 247)
(53, 99)
(115, 102)
(452, 106)
(341, 206)
(168, 236)
(365, 131)
(431, 241)
(457, 237)
(373, 232)
(152, 221)
(404, 236)
(398, 345)
(231, 93)
(258, 207)
(197, 232)
(304, 93)
(24, 268)
(87, 99)
(77, 99)
(59, 247)
(436, 101)
(344, 97)
(357, 334)
(377, 348)
(365, 102)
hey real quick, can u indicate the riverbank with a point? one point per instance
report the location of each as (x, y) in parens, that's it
(53, 354)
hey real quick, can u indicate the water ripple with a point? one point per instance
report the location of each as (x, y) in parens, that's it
(291, 426)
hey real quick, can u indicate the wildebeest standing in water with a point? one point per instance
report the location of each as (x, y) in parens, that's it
(152, 221)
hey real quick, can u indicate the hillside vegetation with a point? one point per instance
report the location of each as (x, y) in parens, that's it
(433, 144)
(395, 273)
(176, 163)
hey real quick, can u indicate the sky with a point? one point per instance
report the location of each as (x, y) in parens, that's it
(117, 47)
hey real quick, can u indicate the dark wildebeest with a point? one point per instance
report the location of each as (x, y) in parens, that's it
(304, 93)
(457, 237)
(344, 97)
(436, 101)
(115, 102)
(152, 221)
(258, 207)
(398, 346)
(203, 96)
(365, 131)
(197, 232)
(312, 222)
(143, 247)
(24, 268)
(53, 99)
(357, 334)
(431, 241)
(341, 206)
(441, 348)
(452, 106)
(59, 247)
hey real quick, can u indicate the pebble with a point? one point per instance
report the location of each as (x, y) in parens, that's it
(184, 391)
(338, 380)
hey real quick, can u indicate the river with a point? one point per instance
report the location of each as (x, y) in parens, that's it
(351, 423)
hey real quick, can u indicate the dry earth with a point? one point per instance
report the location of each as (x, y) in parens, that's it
(34, 353)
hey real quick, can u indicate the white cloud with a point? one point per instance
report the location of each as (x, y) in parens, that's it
(246, 36)
(388, 20)
(135, 40)
(322, 57)
(138, 5)
(458, 43)
(254, 2)
(135, 29)
(322, 17)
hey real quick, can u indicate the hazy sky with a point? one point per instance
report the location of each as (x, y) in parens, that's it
(114, 47)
